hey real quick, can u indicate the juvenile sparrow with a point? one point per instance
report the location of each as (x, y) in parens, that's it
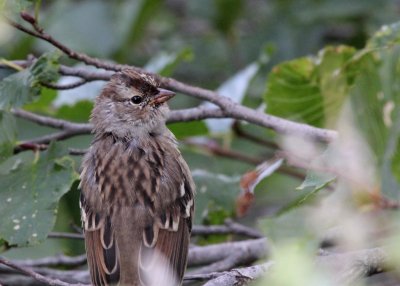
(136, 190)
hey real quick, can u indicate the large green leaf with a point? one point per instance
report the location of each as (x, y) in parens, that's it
(310, 89)
(30, 193)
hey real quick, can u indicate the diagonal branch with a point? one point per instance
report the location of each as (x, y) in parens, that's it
(38, 32)
(228, 106)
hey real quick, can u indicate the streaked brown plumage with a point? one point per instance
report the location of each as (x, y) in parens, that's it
(136, 189)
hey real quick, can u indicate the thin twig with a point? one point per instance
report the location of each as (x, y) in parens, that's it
(251, 250)
(77, 152)
(75, 84)
(66, 235)
(230, 227)
(39, 33)
(239, 276)
(35, 275)
(58, 136)
(53, 261)
(52, 122)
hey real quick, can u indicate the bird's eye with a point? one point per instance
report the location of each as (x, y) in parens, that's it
(136, 99)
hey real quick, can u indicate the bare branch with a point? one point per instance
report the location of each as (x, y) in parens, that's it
(229, 107)
(77, 152)
(58, 136)
(240, 276)
(52, 261)
(66, 235)
(345, 268)
(194, 114)
(76, 84)
(182, 115)
(251, 250)
(230, 227)
(39, 33)
(82, 128)
(29, 272)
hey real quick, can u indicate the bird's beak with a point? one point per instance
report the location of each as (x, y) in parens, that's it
(162, 96)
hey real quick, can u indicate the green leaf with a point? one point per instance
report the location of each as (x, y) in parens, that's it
(215, 193)
(46, 68)
(310, 90)
(188, 129)
(311, 186)
(293, 93)
(30, 193)
(16, 90)
(7, 134)
(43, 104)
(22, 87)
(165, 63)
(316, 181)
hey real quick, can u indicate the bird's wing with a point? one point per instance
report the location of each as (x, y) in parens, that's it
(101, 246)
(171, 201)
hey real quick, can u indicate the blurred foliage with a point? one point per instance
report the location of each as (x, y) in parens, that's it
(322, 63)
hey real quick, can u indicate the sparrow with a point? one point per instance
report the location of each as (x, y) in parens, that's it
(137, 192)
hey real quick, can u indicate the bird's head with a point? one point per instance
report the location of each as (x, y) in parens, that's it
(131, 103)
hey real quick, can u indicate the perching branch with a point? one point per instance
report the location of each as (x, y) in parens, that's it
(228, 108)
(29, 272)
(344, 268)
(250, 250)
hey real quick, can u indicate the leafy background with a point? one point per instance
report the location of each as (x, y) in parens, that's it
(330, 64)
